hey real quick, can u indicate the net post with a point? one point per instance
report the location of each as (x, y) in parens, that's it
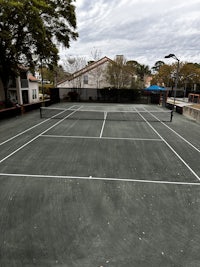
(171, 116)
(40, 112)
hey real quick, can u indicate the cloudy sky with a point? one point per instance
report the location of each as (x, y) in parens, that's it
(141, 30)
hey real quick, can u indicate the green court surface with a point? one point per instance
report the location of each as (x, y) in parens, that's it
(98, 192)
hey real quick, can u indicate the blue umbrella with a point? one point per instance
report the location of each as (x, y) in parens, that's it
(155, 88)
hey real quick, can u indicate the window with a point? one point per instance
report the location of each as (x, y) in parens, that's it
(34, 94)
(85, 79)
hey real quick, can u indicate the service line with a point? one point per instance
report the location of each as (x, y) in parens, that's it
(99, 137)
(20, 175)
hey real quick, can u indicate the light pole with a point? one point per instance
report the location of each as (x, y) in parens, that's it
(177, 75)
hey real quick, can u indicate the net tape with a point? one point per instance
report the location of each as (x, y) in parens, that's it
(70, 114)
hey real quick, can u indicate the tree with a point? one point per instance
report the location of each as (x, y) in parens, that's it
(98, 72)
(164, 75)
(119, 74)
(189, 74)
(33, 27)
(54, 75)
(58, 74)
(142, 71)
(73, 65)
(96, 54)
(157, 65)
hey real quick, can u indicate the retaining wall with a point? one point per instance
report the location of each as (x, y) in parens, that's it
(192, 112)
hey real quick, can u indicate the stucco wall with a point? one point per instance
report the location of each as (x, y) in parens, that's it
(33, 85)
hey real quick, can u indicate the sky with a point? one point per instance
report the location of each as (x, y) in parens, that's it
(141, 30)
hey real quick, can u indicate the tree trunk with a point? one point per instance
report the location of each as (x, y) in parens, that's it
(5, 82)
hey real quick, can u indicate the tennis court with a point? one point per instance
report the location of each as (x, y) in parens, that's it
(112, 185)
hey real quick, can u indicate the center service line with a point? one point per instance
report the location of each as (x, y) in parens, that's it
(104, 121)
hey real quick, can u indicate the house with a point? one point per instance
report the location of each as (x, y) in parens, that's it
(22, 90)
(84, 81)
(91, 82)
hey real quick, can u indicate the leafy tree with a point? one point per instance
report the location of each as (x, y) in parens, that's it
(164, 75)
(133, 66)
(33, 27)
(53, 75)
(142, 71)
(58, 74)
(189, 74)
(157, 65)
(189, 69)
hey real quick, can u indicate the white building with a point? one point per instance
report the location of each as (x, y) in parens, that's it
(22, 90)
(86, 80)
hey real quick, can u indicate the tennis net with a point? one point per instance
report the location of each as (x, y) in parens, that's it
(150, 116)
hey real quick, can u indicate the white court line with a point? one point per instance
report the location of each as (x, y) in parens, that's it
(74, 106)
(116, 111)
(97, 178)
(198, 150)
(104, 121)
(36, 137)
(97, 137)
(17, 135)
(192, 171)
